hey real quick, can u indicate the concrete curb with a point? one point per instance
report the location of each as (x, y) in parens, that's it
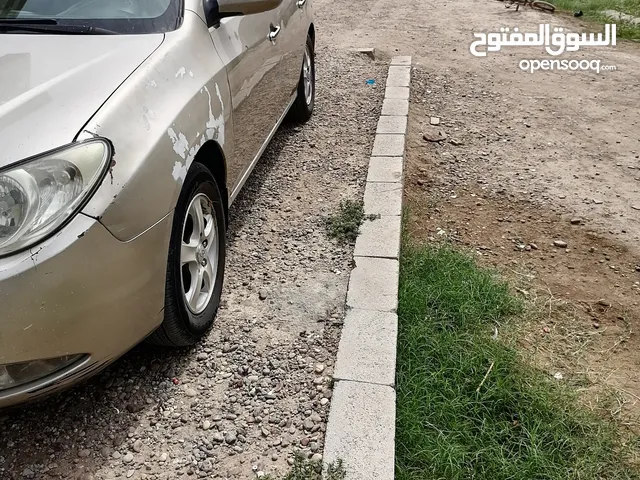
(362, 419)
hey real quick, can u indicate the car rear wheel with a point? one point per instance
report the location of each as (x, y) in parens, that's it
(195, 268)
(302, 108)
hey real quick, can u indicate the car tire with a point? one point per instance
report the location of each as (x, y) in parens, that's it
(302, 107)
(197, 241)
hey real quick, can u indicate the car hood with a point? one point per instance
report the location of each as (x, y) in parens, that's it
(51, 85)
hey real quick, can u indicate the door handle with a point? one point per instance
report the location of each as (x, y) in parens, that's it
(301, 3)
(274, 33)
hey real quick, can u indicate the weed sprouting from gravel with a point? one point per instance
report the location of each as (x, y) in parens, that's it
(345, 225)
(336, 471)
(304, 469)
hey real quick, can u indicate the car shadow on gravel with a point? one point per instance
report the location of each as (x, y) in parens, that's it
(242, 207)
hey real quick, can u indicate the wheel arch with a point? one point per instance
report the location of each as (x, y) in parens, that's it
(212, 157)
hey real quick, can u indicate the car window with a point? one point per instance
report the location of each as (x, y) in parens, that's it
(121, 16)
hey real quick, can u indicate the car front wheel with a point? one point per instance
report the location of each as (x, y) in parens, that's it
(195, 268)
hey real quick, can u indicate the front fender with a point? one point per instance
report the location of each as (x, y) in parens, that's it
(157, 120)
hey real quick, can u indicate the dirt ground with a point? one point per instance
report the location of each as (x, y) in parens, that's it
(528, 160)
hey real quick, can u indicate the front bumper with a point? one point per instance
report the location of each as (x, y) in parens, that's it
(80, 292)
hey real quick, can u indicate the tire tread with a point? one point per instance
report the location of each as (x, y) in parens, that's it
(172, 332)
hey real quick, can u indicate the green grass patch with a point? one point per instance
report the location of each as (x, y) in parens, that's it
(345, 224)
(304, 469)
(592, 11)
(468, 406)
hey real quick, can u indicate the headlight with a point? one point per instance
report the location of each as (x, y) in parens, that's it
(37, 196)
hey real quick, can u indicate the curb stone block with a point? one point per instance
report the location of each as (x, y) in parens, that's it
(385, 169)
(395, 106)
(388, 145)
(399, 77)
(373, 284)
(383, 198)
(392, 124)
(361, 430)
(369, 52)
(397, 92)
(379, 238)
(361, 426)
(401, 60)
(367, 351)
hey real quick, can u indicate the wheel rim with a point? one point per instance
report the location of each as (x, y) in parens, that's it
(199, 253)
(307, 76)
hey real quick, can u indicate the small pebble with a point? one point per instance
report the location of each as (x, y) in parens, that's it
(230, 438)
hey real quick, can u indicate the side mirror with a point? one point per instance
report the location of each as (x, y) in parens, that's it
(214, 10)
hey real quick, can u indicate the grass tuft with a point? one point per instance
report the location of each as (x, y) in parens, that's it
(468, 407)
(304, 469)
(593, 9)
(345, 225)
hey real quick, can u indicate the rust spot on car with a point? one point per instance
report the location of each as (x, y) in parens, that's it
(113, 164)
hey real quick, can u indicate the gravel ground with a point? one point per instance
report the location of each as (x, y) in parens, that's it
(259, 386)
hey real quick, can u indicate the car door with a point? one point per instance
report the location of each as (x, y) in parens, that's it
(292, 15)
(252, 62)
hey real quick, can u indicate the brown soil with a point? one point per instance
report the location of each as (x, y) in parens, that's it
(584, 297)
(491, 196)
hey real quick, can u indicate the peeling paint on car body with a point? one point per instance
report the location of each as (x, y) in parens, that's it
(156, 151)
(215, 125)
(227, 85)
(180, 144)
(214, 130)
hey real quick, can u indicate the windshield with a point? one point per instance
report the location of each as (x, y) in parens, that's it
(118, 16)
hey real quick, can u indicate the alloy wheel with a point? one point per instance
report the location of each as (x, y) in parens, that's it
(199, 253)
